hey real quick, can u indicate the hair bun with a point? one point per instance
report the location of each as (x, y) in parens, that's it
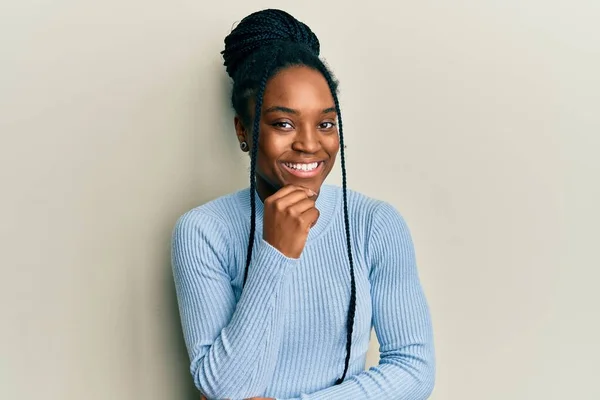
(261, 29)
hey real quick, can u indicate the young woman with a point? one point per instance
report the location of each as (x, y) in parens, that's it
(279, 284)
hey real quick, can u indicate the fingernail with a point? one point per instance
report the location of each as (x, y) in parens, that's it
(311, 193)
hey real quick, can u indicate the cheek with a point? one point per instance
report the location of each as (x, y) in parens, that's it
(270, 149)
(332, 144)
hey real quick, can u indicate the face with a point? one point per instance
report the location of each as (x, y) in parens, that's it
(298, 140)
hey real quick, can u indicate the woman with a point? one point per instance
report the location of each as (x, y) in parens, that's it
(279, 284)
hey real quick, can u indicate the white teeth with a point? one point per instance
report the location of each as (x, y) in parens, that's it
(303, 167)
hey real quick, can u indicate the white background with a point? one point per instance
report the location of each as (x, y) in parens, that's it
(478, 120)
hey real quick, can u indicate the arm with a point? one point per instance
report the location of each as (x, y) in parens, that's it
(232, 347)
(406, 369)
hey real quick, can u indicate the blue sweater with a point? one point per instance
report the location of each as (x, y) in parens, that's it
(284, 335)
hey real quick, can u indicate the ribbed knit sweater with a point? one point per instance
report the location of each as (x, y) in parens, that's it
(284, 334)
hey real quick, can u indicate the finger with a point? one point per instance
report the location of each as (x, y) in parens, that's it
(310, 217)
(287, 190)
(302, 206)
(290, 199)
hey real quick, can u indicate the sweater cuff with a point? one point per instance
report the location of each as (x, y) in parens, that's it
(269, 264)
(277, 256)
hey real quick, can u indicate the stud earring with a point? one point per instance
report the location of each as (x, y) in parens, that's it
(244, 146)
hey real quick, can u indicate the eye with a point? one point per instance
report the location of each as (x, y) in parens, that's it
(283, 125)
(326, 125)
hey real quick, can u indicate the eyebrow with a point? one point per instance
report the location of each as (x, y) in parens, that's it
(292, 111)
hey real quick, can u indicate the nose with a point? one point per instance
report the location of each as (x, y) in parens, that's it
(307, 140)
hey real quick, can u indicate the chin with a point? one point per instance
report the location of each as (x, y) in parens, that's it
(282, 178)
(314, 186)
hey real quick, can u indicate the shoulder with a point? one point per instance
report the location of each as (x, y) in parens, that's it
(375, 223)
(214, 217)
(362, 207)
(381, 231)
(378, 222)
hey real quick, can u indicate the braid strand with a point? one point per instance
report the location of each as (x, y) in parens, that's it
(253, 157)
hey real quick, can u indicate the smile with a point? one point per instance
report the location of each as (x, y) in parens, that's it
(304, 170)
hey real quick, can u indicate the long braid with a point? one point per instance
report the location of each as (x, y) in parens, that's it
(253, 156)
(352, 305)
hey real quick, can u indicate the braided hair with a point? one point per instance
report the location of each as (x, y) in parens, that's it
(261, 45)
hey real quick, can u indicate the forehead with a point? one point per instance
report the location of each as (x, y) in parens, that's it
(299, 88)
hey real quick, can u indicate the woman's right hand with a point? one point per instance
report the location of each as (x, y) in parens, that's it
(289, 214)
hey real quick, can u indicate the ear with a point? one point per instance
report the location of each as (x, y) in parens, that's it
(241, 132)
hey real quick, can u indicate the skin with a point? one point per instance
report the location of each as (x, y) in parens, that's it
(298, 125)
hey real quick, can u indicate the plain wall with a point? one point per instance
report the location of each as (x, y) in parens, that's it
(478, 120)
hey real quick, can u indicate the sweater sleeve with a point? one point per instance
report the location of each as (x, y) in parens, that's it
(231, 346)
(406, 369)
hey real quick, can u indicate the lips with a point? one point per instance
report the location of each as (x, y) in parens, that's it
(302, 166)
(304, 169)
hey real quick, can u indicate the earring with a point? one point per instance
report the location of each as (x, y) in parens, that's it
(244, 146)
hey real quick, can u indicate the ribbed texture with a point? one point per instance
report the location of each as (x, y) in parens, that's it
(284, 335)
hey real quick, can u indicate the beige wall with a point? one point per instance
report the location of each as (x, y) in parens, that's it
(478, 119)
